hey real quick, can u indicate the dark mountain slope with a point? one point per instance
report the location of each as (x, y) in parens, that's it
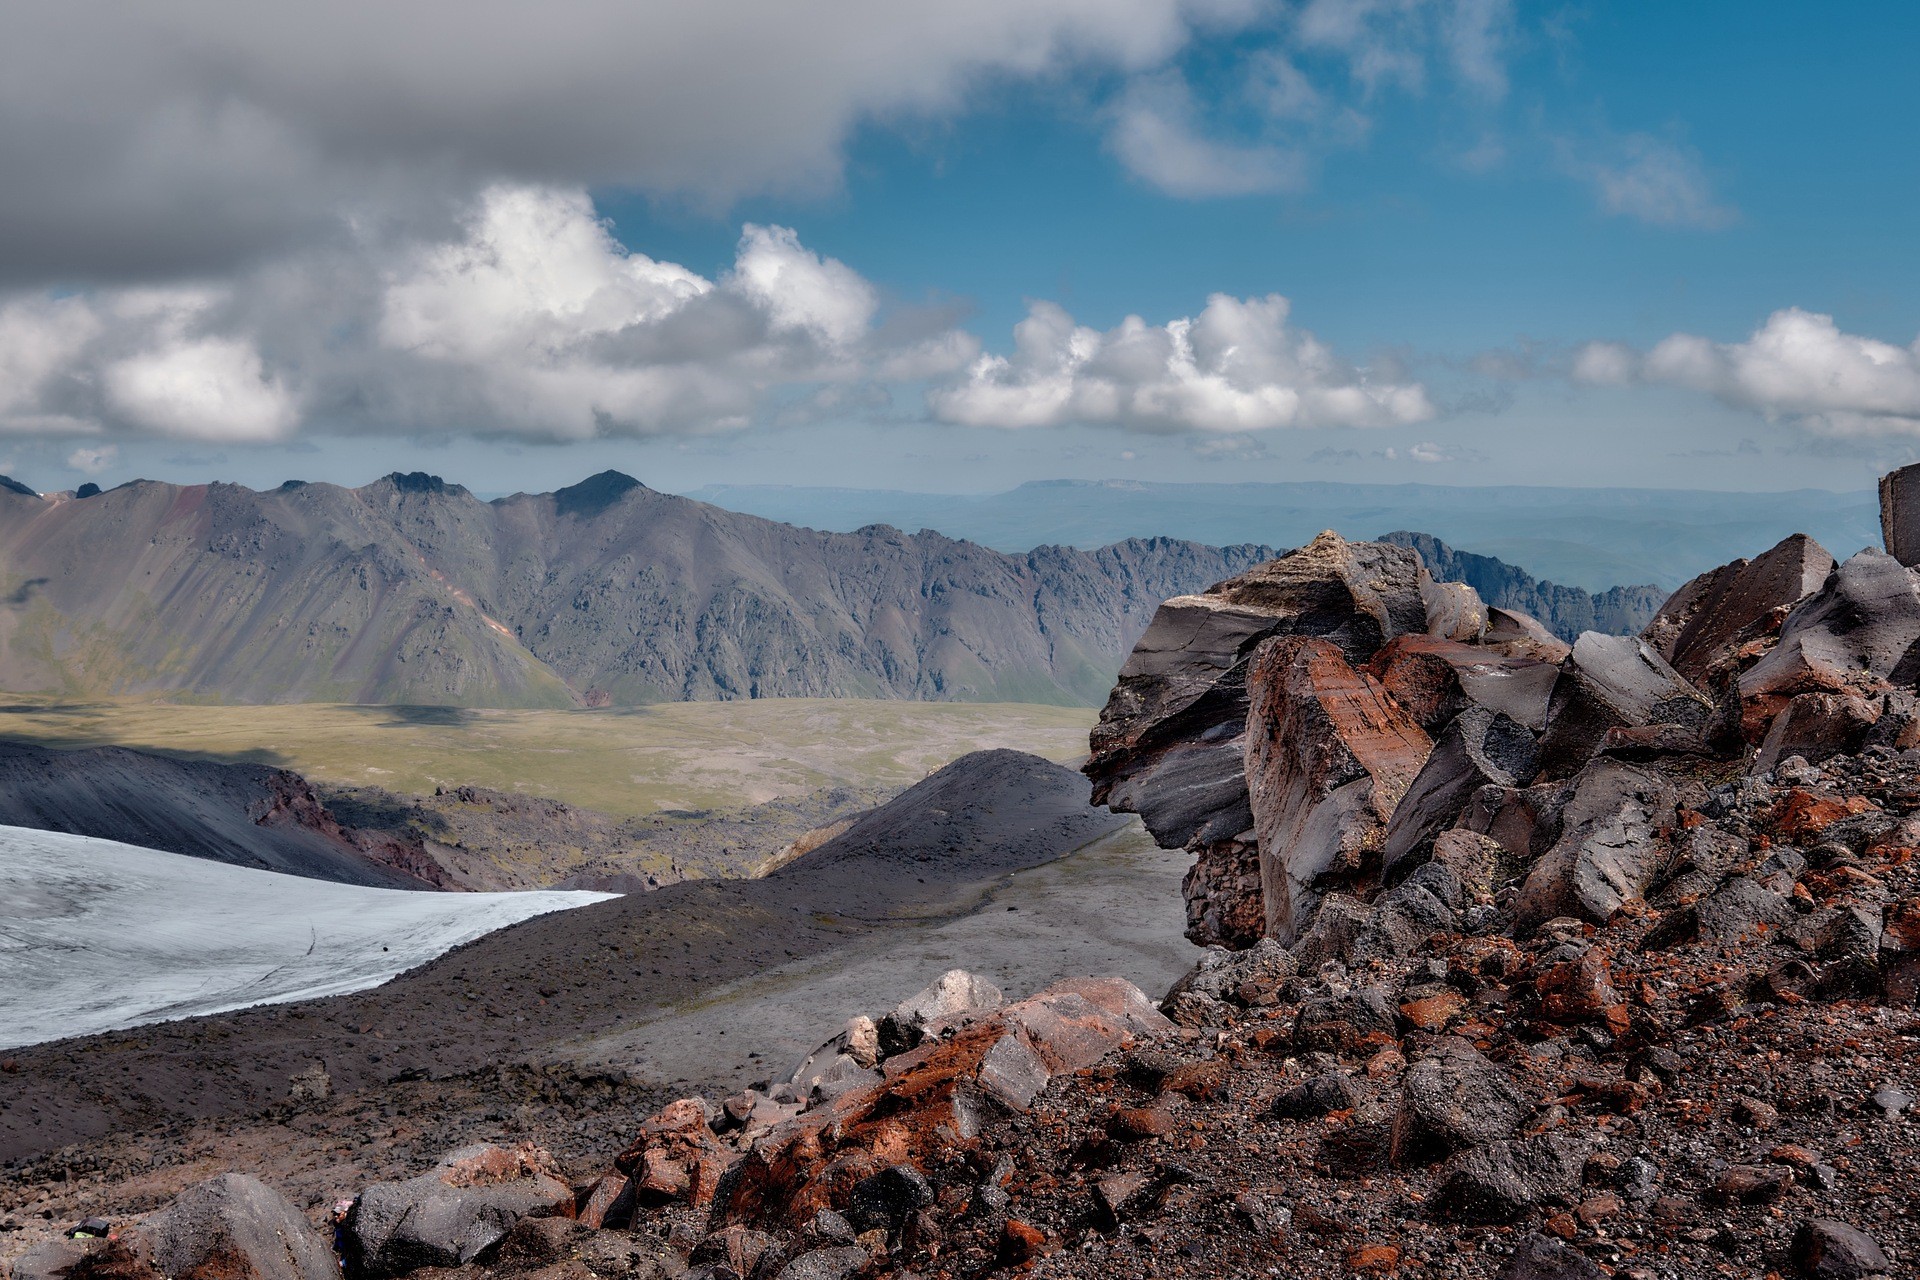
(412, 590)
(557, 978)
(1567, 611)
(244, 814)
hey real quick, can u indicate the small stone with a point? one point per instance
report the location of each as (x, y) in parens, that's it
(1755, 1113)
(1595, 1210)
(1020, 1243)
(1824, 1249)
(885, 1200)
(1374, 1257)
(1892, 1100)
(1141, 1122)
(1752, 1184)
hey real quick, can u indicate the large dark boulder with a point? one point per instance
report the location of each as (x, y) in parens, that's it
(233, 1227)
(1701, 624)
(1608, 683)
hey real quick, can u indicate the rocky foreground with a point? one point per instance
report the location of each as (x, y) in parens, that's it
(1530, 961)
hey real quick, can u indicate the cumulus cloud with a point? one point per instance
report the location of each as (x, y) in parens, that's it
(1239, 366)
(187, 138)
(1651, 180)
(1799, 365)
(530, 318)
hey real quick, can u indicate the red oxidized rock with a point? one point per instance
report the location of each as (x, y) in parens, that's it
(676, 1156)
(1329, 756)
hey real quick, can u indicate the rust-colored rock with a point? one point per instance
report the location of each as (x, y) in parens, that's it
(676, 1155)
(1329, 756)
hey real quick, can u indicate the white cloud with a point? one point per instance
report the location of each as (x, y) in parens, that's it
(1798, 365)
(1654, 181)
(530, 319)
(1605, 364)
(91, 461)
(1158, 137)
(1236, 367)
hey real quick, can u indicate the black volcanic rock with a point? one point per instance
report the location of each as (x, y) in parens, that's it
(1567, 611)
(412, 590)
(9, 485)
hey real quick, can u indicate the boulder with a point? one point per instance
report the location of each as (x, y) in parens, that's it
(1824, 1249)
(955, 997)
(1454, 1098)
(1610, 848)
(1853, 635)
(1454, 610)
(1479, 748)
(452, 1214)
(1541, 1257)
(52, 1259)
(841, 1263)
(1703, 623)
(233, 1227)
(1900, 514)
(1815, 726)
(1168, 745)
(1613, 682)
(1328, 757)
(1505, 1180)
(676, 1156)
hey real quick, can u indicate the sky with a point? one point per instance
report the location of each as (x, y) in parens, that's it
(959, 247)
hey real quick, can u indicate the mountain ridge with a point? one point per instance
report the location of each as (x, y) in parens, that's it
(605, 593)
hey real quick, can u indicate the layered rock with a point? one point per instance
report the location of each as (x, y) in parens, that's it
(1328, 757)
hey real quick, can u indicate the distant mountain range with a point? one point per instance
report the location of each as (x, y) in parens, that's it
(1567, 611)
(412, 590)
(1591, 538)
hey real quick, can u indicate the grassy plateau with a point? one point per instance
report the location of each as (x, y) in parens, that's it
(628, 763)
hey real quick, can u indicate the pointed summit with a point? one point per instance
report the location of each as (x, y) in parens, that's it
(594, 494)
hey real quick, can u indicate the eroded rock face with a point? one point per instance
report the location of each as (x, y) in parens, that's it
(1170, 742)
(1900, 514)
(1328, 757)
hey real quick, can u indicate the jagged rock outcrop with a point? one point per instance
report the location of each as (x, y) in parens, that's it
(232, 1227)
(412, 590)
(1171, 742)
(1363, 744)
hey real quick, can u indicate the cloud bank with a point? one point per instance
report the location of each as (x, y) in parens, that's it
(530, 320)
(1798, 365)
(1237, 366)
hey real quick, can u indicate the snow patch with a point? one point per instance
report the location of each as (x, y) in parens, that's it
(96, 935)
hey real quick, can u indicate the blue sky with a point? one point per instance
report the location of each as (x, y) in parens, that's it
(1657, 245)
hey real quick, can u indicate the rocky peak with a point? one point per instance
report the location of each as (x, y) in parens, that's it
(594, 494)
